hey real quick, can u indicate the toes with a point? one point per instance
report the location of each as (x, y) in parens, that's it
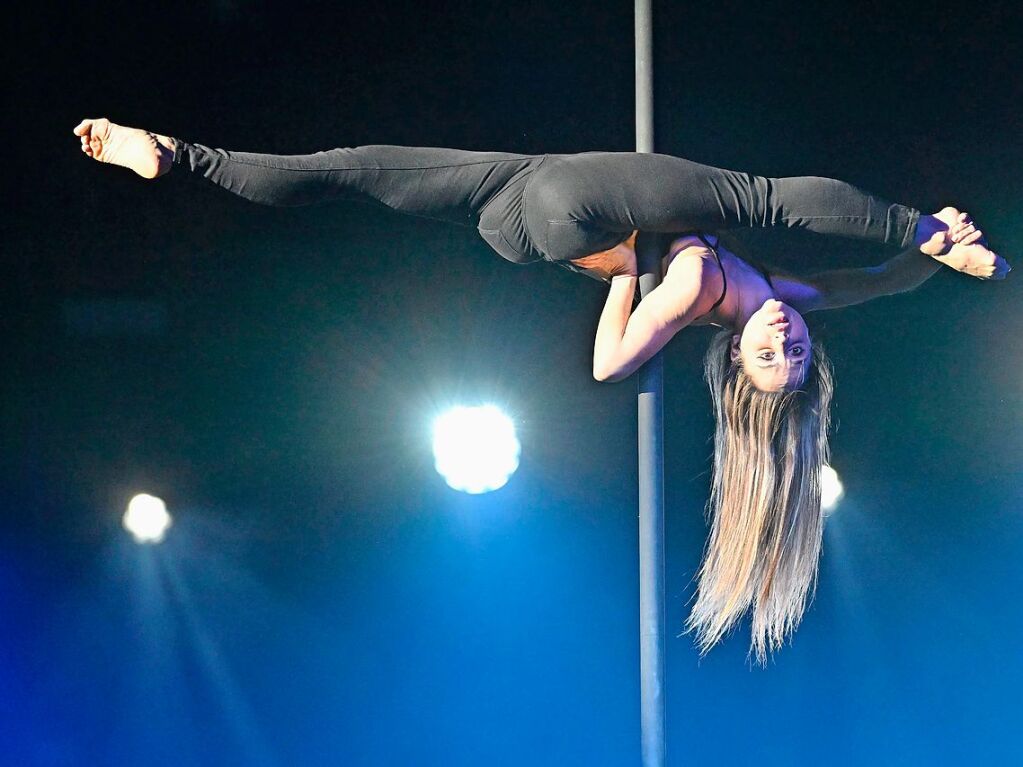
(89, 125)
(92, 125)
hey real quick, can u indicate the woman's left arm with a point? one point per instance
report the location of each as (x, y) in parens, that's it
(846, 287)
(906, 271)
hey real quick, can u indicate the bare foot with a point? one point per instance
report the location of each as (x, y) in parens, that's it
(975, 260)
(148, 154)
(950, 237)
(933, 233)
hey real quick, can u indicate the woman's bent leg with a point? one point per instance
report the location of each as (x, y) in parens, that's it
(449, 184)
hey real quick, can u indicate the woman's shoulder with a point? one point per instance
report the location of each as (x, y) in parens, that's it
(691, 254)
(693, 272)
(689, 247)
(684, 240)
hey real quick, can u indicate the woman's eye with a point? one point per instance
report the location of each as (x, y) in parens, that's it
(767, 356)
(797, 350)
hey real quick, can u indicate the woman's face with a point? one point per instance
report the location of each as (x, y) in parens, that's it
(774, 347)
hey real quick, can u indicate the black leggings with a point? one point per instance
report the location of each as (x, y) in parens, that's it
(555, 207)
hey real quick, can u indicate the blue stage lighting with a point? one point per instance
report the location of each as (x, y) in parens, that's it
(475, 448)
(831, 488)
(147, 519)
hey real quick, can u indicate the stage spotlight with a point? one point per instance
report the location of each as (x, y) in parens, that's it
(146, 519)
(475, 448)
(831, 488)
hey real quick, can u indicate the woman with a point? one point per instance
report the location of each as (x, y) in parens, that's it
(771, 388)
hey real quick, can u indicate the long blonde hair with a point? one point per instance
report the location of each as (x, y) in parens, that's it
(765, 502)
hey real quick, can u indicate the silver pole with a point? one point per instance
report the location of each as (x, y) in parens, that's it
(651, 443)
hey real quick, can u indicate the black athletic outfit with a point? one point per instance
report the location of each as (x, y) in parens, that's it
(555, 207)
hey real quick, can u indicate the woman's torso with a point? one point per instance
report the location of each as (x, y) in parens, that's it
(738, 275)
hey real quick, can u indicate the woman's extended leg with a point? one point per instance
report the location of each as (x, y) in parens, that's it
(580, 204)
(450, 184)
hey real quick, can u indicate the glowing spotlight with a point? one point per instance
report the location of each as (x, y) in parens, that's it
(475, 448)
(146, 519)
(831, 488)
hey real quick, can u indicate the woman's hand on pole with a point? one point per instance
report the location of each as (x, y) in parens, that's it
(613, 262)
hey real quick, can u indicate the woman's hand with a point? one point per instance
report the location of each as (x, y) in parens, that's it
(613, 262)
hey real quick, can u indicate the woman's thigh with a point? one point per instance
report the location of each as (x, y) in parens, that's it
(577, 205)
(581, 204)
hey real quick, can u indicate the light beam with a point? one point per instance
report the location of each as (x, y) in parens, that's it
(147, 519)
(831, 488)
(475, 448)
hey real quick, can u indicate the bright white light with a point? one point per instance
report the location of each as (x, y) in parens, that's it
(475, 448)
(146, 519)
(831, 488)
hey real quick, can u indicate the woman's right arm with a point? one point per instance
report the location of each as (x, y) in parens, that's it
(626, 339)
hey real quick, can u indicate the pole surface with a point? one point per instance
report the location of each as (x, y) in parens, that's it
(651, 443)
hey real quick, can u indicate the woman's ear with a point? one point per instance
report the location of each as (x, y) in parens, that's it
(735, 347)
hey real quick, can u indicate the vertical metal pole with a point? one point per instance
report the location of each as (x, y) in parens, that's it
(651, 443)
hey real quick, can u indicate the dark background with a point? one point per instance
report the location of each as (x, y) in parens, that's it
(323, 598)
